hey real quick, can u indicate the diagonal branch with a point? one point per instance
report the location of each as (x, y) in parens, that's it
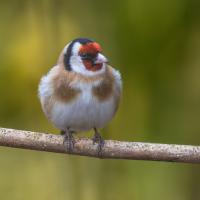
(111, 149)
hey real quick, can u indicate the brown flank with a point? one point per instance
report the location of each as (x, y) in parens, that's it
(62, 90)
(106, 88)
(47, 105)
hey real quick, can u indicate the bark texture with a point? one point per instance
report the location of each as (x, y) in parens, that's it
(112, 149)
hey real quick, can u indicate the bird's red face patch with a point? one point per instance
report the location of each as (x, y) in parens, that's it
(91, 48)
(89, 52)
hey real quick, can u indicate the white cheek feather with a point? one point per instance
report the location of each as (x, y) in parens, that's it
(77, 64)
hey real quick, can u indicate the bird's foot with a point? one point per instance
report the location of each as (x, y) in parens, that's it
(69, 140)
(98, 139)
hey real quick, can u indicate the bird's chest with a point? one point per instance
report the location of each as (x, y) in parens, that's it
(93, 106)
(91, 98)
(99, 90)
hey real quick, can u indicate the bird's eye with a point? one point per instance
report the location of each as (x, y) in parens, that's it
(84, 55)
(87, 56)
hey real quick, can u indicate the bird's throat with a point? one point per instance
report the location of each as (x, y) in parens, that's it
(92, 67)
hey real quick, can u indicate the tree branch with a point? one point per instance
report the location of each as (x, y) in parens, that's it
(111, 149)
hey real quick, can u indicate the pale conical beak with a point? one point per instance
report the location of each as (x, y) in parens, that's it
(100, 59)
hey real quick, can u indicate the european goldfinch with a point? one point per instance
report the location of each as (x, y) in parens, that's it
(81, 92)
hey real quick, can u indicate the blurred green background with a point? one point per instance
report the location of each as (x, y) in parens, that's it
(156, 46)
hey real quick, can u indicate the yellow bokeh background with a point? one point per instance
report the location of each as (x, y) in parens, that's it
(155, 45)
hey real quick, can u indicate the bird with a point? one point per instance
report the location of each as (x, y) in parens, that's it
(81, 92)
